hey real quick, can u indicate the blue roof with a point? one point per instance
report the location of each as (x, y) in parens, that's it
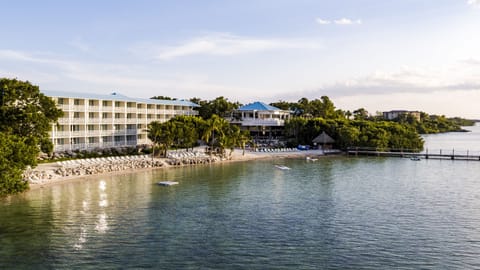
(118, 97)
(258, 106)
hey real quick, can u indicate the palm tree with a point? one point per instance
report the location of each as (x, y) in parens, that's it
(162, 134)
(242, 139)
(213, 126)
(154, 132)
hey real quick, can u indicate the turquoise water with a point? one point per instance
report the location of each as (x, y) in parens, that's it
(335, 213)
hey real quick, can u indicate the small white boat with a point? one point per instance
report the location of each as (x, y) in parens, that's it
(415, 158)
(311, 159)
(167, 183)
(281, 167)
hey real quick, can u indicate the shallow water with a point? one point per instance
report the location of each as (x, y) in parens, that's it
(335, 213)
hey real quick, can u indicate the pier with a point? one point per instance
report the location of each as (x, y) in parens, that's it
(435, 154)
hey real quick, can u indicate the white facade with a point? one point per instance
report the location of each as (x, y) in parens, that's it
(392, 115)
(103, 121)
(260, 114)
(264, 122)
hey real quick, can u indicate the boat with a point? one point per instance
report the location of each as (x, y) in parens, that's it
(415, 158)
(167, 183)
(281, 167)
(311, 159)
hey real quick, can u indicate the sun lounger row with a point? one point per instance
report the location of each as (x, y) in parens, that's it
(186, 155)
(275, 150)
(101, 160)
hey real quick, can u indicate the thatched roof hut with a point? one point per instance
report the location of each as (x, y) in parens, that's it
(323, 139)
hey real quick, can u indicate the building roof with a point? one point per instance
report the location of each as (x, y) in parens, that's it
(323, 138)
(117, 97)
(258, 106)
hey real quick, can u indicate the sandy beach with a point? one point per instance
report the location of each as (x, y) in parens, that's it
(47, 174)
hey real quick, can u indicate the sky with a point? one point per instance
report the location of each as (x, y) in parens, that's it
(379, 55)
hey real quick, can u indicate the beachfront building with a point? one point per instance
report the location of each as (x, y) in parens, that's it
(264, 122)
(393, 115)
(93, 121)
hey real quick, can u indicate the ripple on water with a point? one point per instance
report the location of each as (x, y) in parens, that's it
(335, 213)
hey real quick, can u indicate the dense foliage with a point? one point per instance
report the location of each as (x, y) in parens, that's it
(429, 124)
(186, 131)
(26, 118)
(382, 135)
(219, 106)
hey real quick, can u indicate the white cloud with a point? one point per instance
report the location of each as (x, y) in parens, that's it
(474, 3)
(322, 21)
(345, 21)
(342, 21)
(15, 55)
(226, 44)
(407, 80)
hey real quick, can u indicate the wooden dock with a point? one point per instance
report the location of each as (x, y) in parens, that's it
(449, 154)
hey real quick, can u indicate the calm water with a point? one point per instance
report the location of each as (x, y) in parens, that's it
(335, 213)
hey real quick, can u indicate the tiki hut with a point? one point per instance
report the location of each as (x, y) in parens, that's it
(325, 140)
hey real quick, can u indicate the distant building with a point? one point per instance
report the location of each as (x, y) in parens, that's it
(392, 115)
(103, 121)
(264, 122)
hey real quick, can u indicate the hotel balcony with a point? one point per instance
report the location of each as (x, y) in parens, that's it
(274, 122)
(108, 132)
(93, 108)
(78, 108)
(78, 121)
(64, 107)
(94, 120)
(131, 131)
(80, 133)
(94, 133)
(61, 134)
(64, 121)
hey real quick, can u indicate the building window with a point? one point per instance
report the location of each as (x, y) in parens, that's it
(91, 115)
(104, 127)
(118, 104)
(76, 102)
(105, 103)
(91, 127)
(76, 115)
(61, 101)
(75, 127)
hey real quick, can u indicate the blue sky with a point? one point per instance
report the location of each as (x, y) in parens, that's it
(380, 55)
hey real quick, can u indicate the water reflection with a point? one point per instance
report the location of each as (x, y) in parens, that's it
(102, 224)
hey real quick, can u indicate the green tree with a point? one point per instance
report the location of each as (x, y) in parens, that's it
(214, 132)
(15, 156)
(162, 135)
(26, 117)
(187, 131)
(220, 106)
(26, 112)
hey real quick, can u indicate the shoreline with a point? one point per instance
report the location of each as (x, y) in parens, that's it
(235, 157)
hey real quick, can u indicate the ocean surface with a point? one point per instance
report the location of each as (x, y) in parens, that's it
(334, 213)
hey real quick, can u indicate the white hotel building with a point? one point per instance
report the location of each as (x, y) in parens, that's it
(93, 121)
